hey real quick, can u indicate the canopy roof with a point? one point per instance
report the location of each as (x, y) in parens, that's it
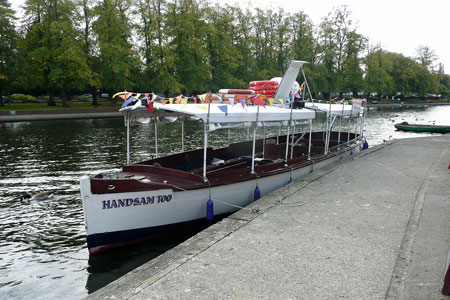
(220, 113)
(335, 109)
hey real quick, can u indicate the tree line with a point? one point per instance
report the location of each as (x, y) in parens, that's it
(171, 47)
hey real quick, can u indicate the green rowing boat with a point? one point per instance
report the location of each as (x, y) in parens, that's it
(404, 126)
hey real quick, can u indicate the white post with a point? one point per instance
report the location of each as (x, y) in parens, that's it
(128, 137)
(327, 130)
(205, 145)
(292, 142)
(205, 140)
(310, 137)
(287, 146)
(254, 141)
(156, 138)
(264, 138)
(287, 135)
(348, 127)
(182, 136)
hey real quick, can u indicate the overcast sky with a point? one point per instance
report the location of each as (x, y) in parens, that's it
(397, 25)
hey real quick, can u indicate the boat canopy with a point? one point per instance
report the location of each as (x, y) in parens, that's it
(336, 109)
(218, 113)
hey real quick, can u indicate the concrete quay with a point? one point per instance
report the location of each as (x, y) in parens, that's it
(376, 226)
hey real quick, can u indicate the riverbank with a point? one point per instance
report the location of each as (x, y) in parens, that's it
(58, 114)
(371, 227)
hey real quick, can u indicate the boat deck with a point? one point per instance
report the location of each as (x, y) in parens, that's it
(184, 171)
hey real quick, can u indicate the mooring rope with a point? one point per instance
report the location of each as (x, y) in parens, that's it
(254, 210)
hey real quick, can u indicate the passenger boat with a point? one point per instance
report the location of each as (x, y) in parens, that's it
(405, 126)
(159, 195)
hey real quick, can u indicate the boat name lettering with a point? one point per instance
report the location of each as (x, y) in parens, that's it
(108, 204)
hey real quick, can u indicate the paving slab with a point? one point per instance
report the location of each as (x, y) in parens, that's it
(376, 226)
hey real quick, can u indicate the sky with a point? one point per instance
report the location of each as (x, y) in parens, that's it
(397, 25)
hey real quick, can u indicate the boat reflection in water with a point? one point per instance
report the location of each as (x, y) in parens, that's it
(159, 196)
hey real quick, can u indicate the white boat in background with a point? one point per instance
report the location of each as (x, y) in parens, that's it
(159, 195)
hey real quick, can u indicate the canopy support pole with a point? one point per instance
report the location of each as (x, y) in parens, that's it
(254, 141)
(127, 120)
(292, 141)
(339, 134)
(310, 137)
(278, 136)
(205, 141)
(348, 127)
(156, 138)
(327, 129)
(287, 135)
(182, 136)
(264, 138)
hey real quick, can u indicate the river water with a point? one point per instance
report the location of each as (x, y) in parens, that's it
(43, 253)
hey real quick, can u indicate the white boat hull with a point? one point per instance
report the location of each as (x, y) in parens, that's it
(118, 218)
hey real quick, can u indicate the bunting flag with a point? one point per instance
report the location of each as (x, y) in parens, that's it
(202, 107)
(119, 93)
(281, 100)
(146, 95)
(178, 99)
(242, 100)
(271, 101)
(202, 98)
(257, 100)
(224, 108)
(128, 101)
(195, 100)
(164, 102)
(150, 106)
(125, 96)
(184, 100)
(170, 100)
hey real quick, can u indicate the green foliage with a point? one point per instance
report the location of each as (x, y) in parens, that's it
(191, 47)
(8, 48)
(116, 56)
(23, 98)
(82, 99)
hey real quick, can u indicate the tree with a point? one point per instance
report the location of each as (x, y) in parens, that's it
(378, 70)
(92, 61)
(159, 58)
(8, 48)
(223, 55)
(188, 29)
(342, 46)
(54, 47)
(426, 57)
(117, 60)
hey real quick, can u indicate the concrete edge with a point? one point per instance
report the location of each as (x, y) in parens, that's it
(50, 117)
(145, 275)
